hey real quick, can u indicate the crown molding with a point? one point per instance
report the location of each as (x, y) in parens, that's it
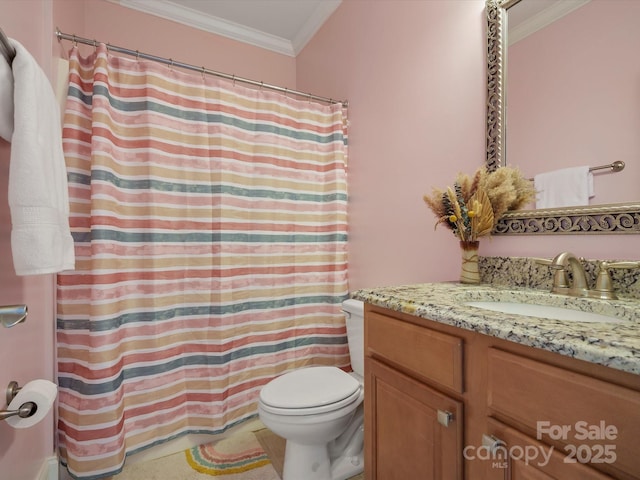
(209, 23)
(324, 10)
(542, 19)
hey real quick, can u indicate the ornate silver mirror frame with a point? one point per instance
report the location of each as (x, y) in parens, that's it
(610, 218)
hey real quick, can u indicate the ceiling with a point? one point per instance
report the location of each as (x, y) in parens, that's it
(527, 17)
(283, 26)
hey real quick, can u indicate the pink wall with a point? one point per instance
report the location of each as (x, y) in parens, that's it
(414, 73)
(26, 350)
(590, 83)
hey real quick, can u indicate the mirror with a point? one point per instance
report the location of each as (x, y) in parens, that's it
(605, 218)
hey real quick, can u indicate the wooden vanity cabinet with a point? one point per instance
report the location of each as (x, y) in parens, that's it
(447, 403)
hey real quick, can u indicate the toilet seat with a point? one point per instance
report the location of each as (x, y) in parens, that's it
(310, 391)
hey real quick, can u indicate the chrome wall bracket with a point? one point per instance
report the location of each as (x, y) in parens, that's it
(11, 315)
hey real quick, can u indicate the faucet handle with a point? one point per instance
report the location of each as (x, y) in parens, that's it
(560, 279)
(543, 261)
(604, 286)
(623, 264)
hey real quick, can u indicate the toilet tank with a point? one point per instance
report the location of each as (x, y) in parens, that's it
(354, 316)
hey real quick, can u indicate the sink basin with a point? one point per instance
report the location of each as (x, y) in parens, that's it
(544, 311)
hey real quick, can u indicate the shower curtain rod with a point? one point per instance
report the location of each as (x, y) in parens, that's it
(173, 63)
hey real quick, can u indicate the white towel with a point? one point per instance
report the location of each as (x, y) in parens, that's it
(41, 239)
(567, 187)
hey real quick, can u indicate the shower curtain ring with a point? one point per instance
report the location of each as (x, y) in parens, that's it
(233, 79)
(75, 42)
(137, 55)
(203, 72)
(171, 64)
(95, 44)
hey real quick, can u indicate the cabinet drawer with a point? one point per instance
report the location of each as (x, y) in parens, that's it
(518, 456)
(568, 410)
(433, 355)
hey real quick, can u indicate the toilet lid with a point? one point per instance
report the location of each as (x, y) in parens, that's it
(309, 387)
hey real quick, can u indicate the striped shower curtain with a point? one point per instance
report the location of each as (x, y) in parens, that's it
(210, 231)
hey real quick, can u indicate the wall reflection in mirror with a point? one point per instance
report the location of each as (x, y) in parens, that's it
(573, 92)
(569, 98)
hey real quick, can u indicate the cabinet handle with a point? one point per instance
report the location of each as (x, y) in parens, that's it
(444, 417)
(492, 443)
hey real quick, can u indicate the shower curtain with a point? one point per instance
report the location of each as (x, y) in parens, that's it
(210, 232)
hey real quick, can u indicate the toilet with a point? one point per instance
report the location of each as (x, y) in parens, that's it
(319, 412)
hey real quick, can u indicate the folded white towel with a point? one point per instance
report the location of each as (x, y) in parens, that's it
(567, 187)
(41, 239)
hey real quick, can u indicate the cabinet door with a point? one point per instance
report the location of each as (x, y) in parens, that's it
(411, 430)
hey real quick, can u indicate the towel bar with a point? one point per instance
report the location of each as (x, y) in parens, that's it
(616, 166)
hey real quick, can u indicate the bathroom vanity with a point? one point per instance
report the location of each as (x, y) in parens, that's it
(459, 392)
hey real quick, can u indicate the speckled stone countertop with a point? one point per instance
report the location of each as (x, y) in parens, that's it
(615, 345)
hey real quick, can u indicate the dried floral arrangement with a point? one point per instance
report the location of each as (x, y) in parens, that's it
(472, 208)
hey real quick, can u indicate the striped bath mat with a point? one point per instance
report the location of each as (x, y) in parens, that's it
(253, 453)
(239, 457)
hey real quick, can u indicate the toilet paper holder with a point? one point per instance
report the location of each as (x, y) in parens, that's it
(12, 390)
(26, 409)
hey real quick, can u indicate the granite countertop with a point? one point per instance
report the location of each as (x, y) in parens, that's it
(615, 345)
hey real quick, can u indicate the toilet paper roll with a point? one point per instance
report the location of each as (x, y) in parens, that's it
(41, 392)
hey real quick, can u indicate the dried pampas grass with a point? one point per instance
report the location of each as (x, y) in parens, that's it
(507, 190)
(474, 205)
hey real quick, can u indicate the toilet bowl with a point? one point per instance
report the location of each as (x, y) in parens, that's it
(319, 412)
